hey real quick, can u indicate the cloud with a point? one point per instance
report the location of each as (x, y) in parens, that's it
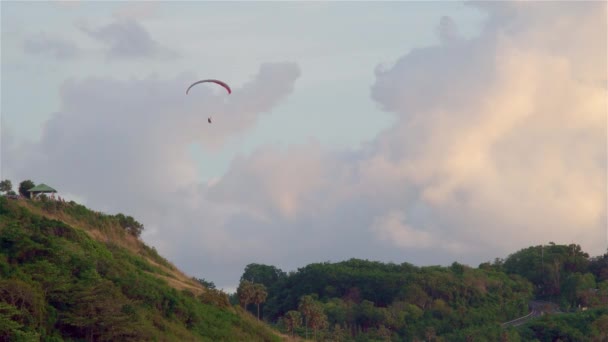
(42, 43)
(126, 38)
(66, 4)
(512, 138)
(137, 10)
(499, 143)
(448, 31)
(394, 229)
(139, 132)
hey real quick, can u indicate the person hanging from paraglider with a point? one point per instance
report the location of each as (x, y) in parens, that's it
(226, 86)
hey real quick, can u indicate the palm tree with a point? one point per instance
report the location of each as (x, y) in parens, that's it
(245, 292)
(292, 319)
(306, 307)
(259, 296)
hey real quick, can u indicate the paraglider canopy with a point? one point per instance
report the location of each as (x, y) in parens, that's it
(223, 84)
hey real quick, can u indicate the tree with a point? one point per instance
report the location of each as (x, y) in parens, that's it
(100, 313)
(26, 298)
(599, 267)
(339, 334)
(245, 293)
(6, 186)
(306, 307)
(600, 327)
(25, 186)
(318, 319)
(292, 319)
(130, 224)
(11, 328)
(313, 313)
(205, 283)
(384, 333)
(259, 296)
(262, 274)
(269, 276)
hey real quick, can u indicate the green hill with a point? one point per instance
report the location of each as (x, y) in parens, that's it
(69, 273)
(361, 300)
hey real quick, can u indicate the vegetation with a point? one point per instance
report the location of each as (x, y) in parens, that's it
(251, 293)
(58, 282)
(365, 300)
(361, 300)
(6, 186)
(25, 186)
(562, 273)
(590, 325)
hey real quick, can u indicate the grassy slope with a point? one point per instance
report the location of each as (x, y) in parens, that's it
(117, 235)
(70, 273)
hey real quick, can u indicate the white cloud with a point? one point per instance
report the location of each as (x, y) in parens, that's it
(67, 4)
(393, 229)
(126, 38)
(448, 31)
(513, 139)
(42, 43)
(137, 10)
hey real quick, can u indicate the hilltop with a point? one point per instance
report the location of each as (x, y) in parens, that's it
(71, 273)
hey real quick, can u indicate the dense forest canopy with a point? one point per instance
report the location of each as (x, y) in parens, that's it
(370, 300)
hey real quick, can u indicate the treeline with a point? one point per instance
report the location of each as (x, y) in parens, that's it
(57, 283)
(360, 300)
(365, 300)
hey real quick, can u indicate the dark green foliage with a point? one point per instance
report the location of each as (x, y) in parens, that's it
(12, 327)
(265, 275)
(130, 224)
(562, 273)
(363, 300)
(205, 283)
(6, 186)
(262, 274)
(581, 326)
(57, 283)
(598, 266)
(25, 186)
(374, 301)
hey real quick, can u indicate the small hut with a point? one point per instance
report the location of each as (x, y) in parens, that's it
(40, 189)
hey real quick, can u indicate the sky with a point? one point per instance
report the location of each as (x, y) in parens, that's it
(421, 132)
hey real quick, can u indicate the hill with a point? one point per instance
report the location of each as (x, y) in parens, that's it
(559, 290)
(70, 273)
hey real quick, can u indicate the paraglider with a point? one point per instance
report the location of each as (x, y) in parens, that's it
(223, 84)
(227, 87)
